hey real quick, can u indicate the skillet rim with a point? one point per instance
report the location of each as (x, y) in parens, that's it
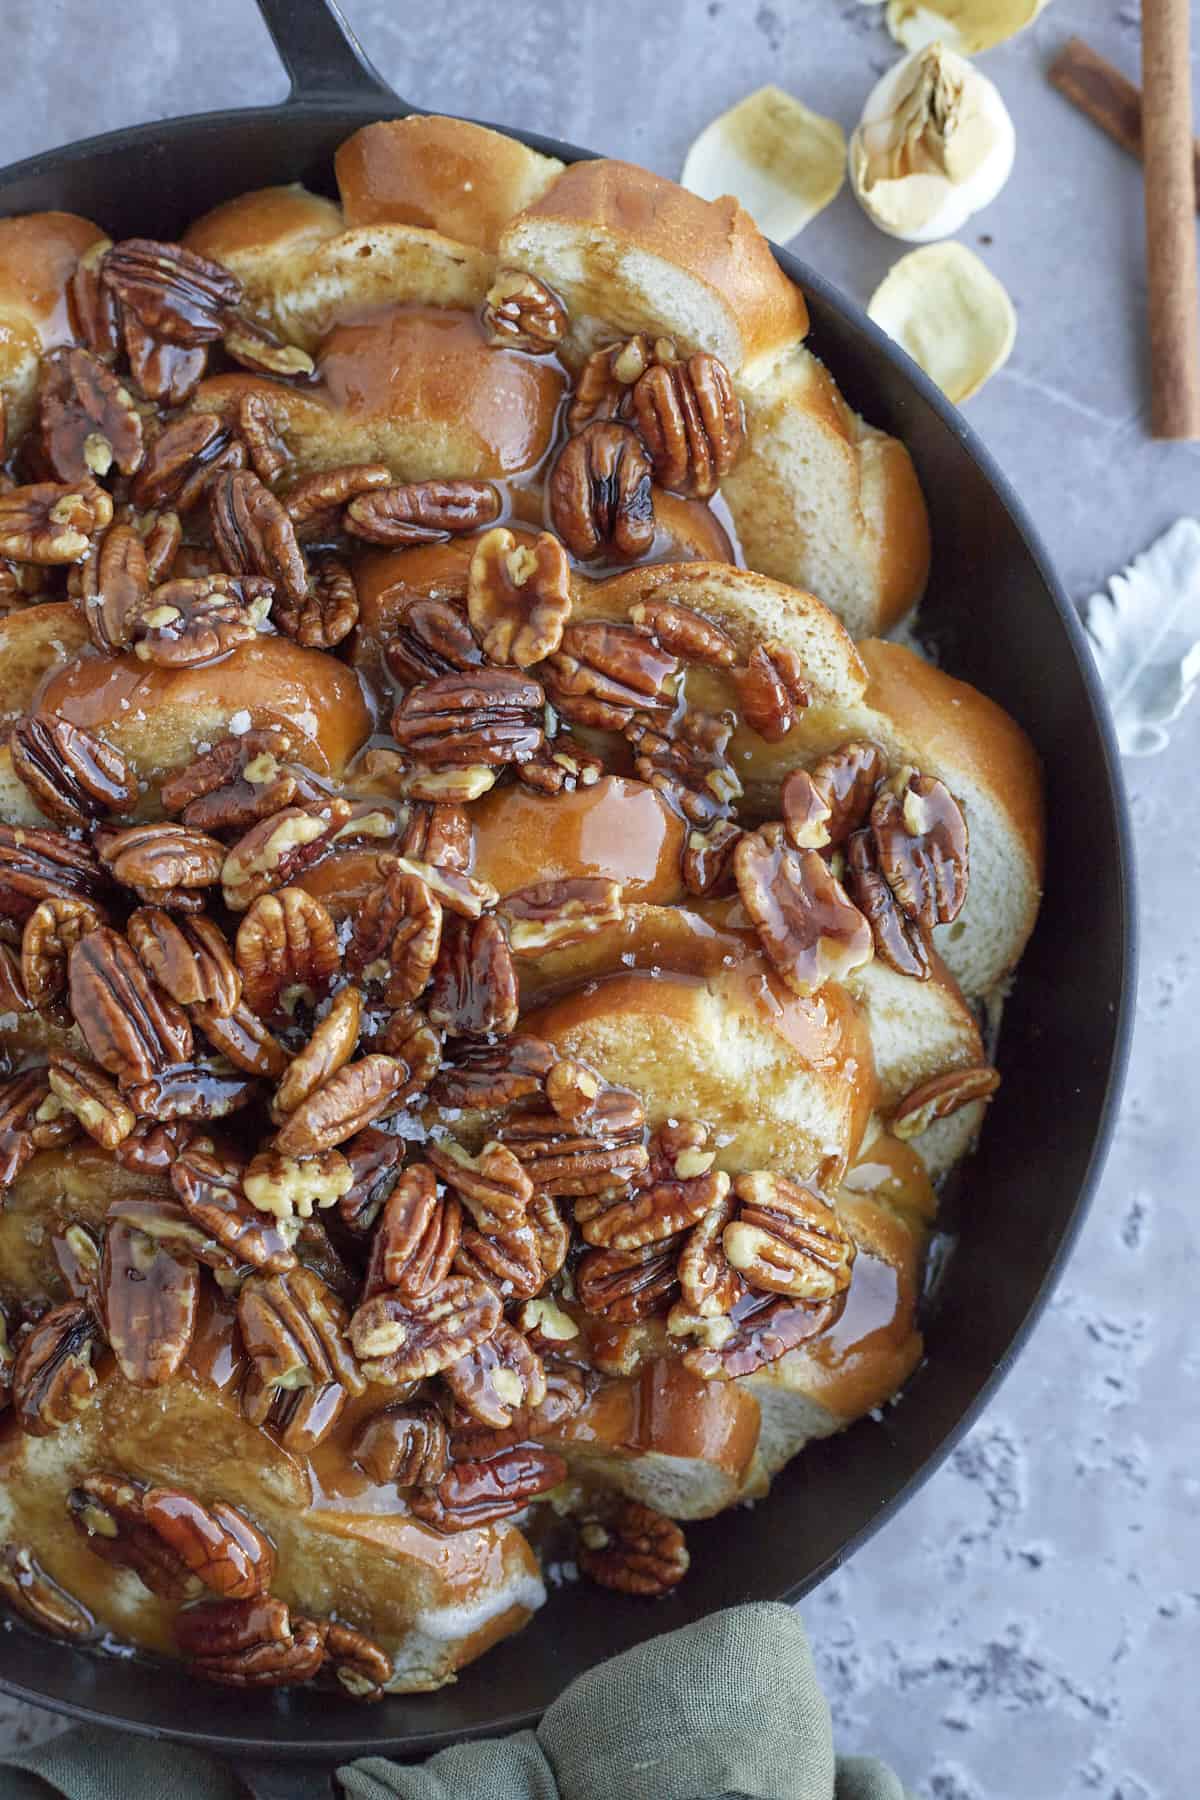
(354, 109)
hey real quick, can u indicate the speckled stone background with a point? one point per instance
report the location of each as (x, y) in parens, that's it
(1029, 1626)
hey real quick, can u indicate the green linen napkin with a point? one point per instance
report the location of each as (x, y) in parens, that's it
(728, 1706)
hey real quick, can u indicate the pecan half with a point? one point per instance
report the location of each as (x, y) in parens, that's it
(563, 1162)
(53, 1379)
(250, 1643)
(167, 1223)
(522, 313)
(432, 637)
(473, 990)
(373, 1155)
(188, 958)
(52, 522)
(92, 1098)
(624, 1285)
(316, 500)
(240, 781)
(178, 296)
(807, 925)
(218, 1544)
(441, 835)
(45, 865)
(487, 717)
(91, 306)
(203, 1089)
(149, 1298)
(254, 534)
(328, 1049)
(73, 775)
(114, 587)
(787, 1239)
(279, 847)
(600, 496)
(457, 891)
(406, 1445)
(14, 997)
(899, 941)
(686, 760)
(650, 1215)
(561, 765)
(353, 1096)
(942, 1095)
(167, 863)
(181, 460)
(196, 619)
(416, 1239)
(772, 689)
(604, 386)
(765, 1327)
(397, 934)
(209, 1187)
(552, 914)
(131, 1028)
(498, 1378)
(492, 1186)
(709, 1287)
(295, 1331)
(30, 1592)
(399, 1340)
(86, 420)
(268, 453)
(487, 1075)
(287, 947)
(329, 610)
(359, 1664)
(471, 1494)
(635, 1550)
(167, 373)
(548, 1328)
(31, 1118)
(421, 512)
(921, 843)
(153, 1145)
(690, 420)
(707, 861)
(290, 1187)
(518, 596)
(52, 929)
(107, 1511)
(254, 347)
(686, 634)
(242, 1037)
(507, 1258)
(824, 804)
(604, 673)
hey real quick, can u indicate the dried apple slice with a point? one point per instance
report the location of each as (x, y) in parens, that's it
(942, 305)
(781, 160)
(967, 26)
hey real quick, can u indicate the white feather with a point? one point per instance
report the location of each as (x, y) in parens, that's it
(1145, 638)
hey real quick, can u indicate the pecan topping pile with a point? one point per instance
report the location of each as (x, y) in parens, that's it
(419, 1214)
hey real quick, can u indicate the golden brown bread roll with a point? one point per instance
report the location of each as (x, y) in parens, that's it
(38, 255)
(160, 717)
(630, 251)
(445, 175)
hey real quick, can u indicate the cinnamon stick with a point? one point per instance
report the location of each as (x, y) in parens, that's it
(1170, 189)
(1109, 99)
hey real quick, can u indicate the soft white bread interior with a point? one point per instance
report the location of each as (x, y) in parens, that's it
(39, 253)
(824, 500)
(666, 1437)
(693, 1020)
(864, 1359)
(921, 715)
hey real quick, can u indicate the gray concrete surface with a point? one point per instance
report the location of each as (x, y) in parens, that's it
(1030, 1625)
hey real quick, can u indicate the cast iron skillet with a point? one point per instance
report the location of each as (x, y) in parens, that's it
(999, 619)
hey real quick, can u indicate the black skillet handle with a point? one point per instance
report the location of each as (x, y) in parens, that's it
(320, 52)
(287, 1780)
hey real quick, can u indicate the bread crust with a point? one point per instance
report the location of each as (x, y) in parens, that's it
(445, 175)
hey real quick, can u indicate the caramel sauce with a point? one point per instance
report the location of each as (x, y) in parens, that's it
(39, 252)
(417, 364)
(891, 1170)
(617, 830)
